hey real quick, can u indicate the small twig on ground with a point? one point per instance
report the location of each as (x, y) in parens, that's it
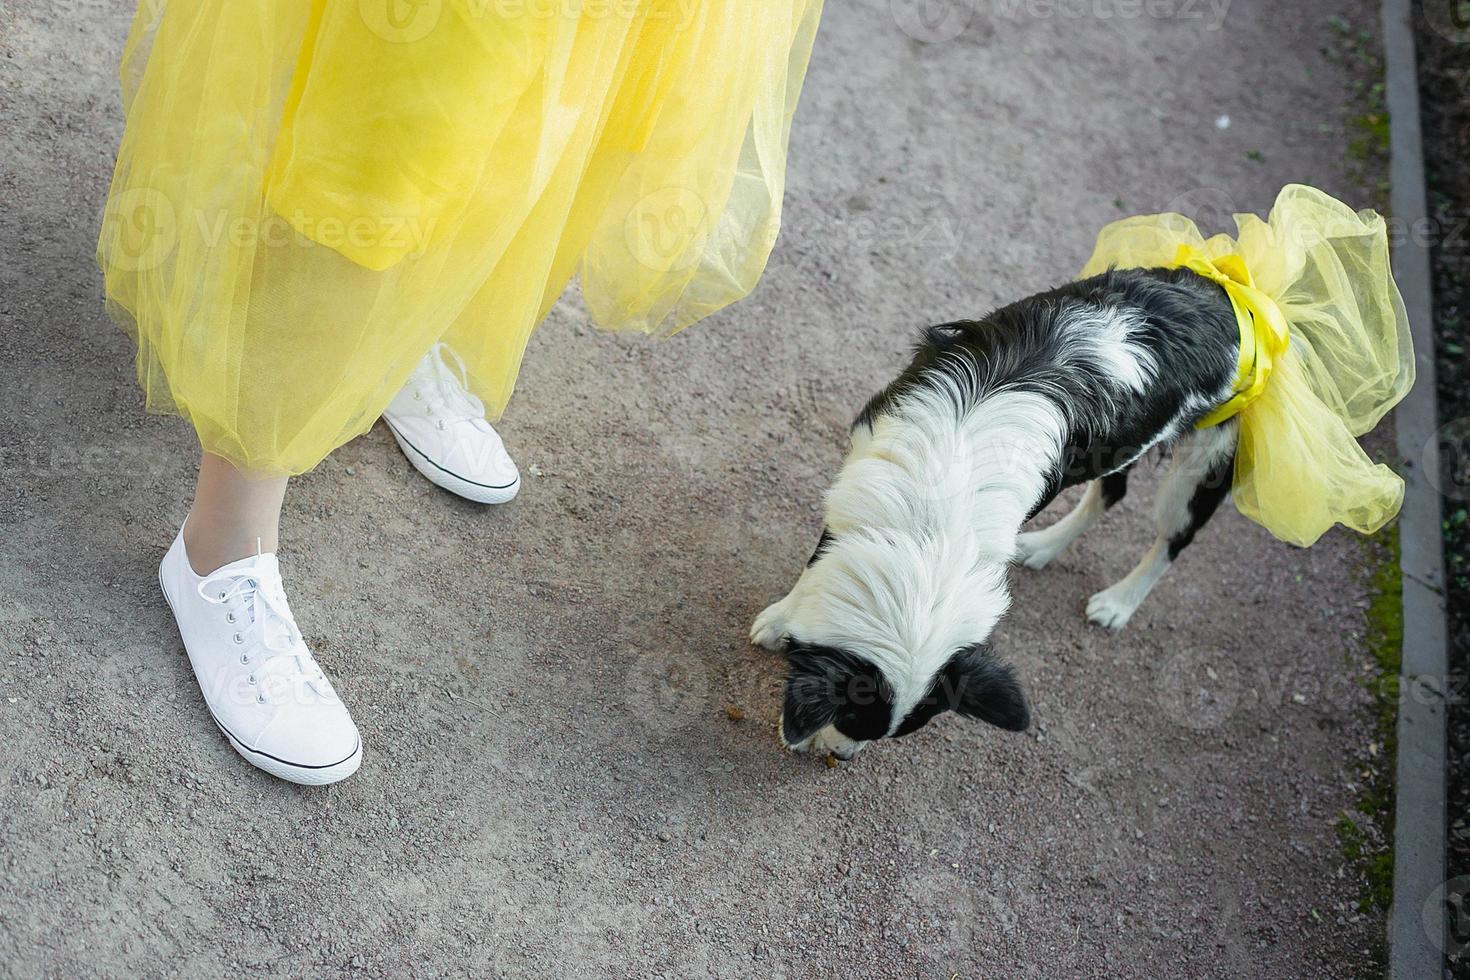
(460, 697)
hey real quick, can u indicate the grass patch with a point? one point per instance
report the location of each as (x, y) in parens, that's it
(1366, 119)
(1366, 834)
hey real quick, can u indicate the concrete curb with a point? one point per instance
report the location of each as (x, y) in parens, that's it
(1416, 949)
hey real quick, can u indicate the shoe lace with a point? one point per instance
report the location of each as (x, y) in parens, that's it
(449, 399)
(263, 602)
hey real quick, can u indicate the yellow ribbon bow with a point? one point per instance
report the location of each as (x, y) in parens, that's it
(1264, 332)
(1324, 352)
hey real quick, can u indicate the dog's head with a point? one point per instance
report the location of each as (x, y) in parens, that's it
(887, 626)
(838, 700)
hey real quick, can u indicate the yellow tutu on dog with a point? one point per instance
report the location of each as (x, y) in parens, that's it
(310, 193)
(1325, 352)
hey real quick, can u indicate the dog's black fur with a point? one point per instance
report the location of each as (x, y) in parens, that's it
(1179, 321)
(1188, 326)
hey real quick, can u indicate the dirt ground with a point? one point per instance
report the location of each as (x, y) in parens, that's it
(553, 783)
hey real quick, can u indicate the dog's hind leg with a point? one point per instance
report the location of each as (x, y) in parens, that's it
(1035, 549)
(1197, 480)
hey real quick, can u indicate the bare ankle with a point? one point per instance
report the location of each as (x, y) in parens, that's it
(235, 515)
(209, 550)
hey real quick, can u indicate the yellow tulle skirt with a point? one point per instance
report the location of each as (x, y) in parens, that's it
(1346, 361)
(310, 193)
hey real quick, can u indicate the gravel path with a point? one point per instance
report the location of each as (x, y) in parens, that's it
(556, 782)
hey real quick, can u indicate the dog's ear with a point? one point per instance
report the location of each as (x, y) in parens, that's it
(982, 687)
(831, 686)
(811, 692)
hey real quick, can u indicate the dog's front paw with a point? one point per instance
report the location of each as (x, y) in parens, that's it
(769, 628)
(1112, 608)
(1035, 549)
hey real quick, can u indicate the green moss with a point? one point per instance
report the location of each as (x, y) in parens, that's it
(1370, 135)
(1366, 835)
(1376, 863)
(1385, 621)
(1365, 112)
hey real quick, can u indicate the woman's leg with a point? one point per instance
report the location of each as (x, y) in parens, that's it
(442, 430)
(262, 685)
(235, 515)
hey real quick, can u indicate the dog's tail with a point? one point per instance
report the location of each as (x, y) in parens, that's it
(1325, 352)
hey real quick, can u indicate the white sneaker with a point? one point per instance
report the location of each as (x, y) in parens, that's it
(261, 684)
(441, 428)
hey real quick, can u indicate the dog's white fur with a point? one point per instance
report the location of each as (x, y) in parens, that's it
(925, 513)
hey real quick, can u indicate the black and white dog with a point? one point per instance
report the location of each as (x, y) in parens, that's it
(887, 626)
